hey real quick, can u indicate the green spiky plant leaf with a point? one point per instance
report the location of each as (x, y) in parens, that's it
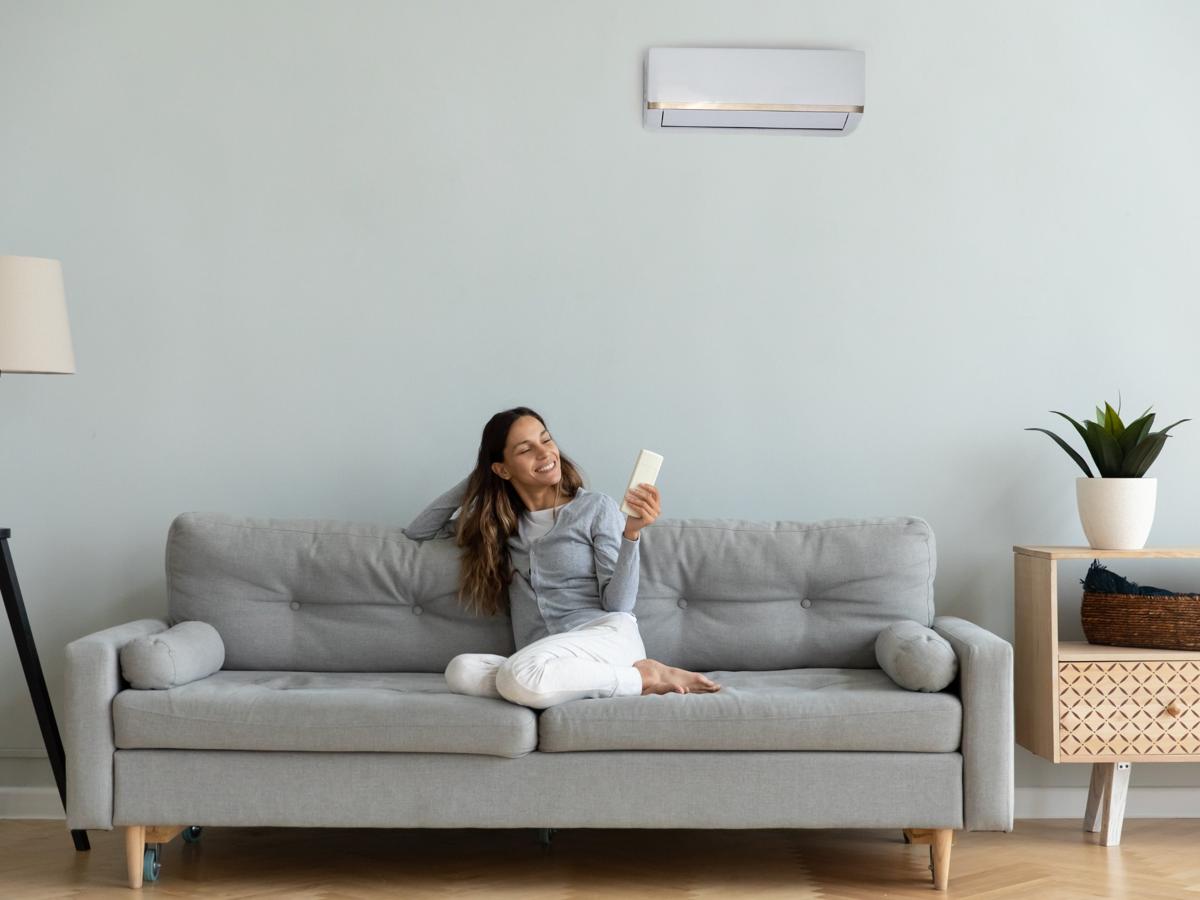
(1112, 421)
(1070, 450)
(1134, 432)
(1118, 450)
(1105, 450)
(1138, 461)
(1078, 427)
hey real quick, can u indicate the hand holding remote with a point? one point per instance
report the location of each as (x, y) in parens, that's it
(644, 500)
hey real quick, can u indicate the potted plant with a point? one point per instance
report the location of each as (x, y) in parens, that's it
(1116, 509)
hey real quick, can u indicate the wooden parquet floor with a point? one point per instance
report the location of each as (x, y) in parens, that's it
(1158, 859)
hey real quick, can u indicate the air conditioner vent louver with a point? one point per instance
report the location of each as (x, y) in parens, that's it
(799, 91)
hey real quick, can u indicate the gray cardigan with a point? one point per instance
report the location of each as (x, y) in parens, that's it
(582, 568)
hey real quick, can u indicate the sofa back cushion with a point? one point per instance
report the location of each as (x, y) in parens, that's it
(322, 595)
(728, 594)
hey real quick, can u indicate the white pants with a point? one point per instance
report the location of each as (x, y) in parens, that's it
(593, 660)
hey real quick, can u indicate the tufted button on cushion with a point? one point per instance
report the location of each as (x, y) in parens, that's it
(681, 603)
(295, 604)
(417, 610)
(806, 603)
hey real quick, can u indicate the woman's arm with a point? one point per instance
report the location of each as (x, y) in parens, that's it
(434, 520)
(617, 559)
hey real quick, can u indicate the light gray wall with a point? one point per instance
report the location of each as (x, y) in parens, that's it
(310, 247)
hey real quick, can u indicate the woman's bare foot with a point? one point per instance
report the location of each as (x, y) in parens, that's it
(658, 678)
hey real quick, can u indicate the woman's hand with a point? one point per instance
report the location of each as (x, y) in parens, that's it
(644, 499)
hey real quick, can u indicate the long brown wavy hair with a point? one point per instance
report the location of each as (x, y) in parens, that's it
(491, 510)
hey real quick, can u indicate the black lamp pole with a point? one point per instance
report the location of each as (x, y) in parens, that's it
(27, 650)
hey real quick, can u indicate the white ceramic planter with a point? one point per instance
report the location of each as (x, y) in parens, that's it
(1116, 513)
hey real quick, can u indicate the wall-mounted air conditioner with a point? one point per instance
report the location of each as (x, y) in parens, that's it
(726, 89)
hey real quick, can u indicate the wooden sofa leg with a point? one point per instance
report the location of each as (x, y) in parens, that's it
(940, 841)
(136, 839)
(135, 847)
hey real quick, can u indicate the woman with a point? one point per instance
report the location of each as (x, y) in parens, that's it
(559, 558)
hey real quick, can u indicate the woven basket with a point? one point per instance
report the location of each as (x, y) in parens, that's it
(1135, 620)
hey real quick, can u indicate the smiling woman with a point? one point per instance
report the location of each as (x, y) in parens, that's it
(563, 561)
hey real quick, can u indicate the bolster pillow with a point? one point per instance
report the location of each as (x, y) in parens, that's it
(916, 657)
(185, 652)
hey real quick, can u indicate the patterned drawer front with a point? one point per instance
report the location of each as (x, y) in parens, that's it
(1129, 708)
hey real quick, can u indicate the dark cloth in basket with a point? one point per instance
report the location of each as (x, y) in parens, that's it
(1100, 580)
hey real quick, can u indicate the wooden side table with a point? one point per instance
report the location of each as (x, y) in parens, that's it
(1088, 703)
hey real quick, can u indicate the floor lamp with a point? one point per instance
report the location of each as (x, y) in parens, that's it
(35, 337)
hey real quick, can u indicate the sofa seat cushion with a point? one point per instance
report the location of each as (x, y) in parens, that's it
(392, 712)
(789, 709)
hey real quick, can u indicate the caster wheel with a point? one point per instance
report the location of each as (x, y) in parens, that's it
(192, 833)
(150, 864)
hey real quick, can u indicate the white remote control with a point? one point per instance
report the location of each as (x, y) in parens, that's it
(645, 471)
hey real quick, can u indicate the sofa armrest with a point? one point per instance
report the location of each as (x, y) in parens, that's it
(985, 666)
(93, 679)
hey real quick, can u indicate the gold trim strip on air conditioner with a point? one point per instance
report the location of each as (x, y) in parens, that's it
(755, 107)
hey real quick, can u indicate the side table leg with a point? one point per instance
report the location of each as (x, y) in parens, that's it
(1116, 789)
(1091, 817)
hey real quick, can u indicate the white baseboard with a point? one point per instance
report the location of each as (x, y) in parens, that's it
(1031, 803)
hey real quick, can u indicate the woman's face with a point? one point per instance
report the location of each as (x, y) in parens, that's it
(530, 455)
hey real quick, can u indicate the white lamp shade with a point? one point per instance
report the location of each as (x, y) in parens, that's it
(35, 335)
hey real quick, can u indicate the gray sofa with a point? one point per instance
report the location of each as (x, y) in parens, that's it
(331, 708)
